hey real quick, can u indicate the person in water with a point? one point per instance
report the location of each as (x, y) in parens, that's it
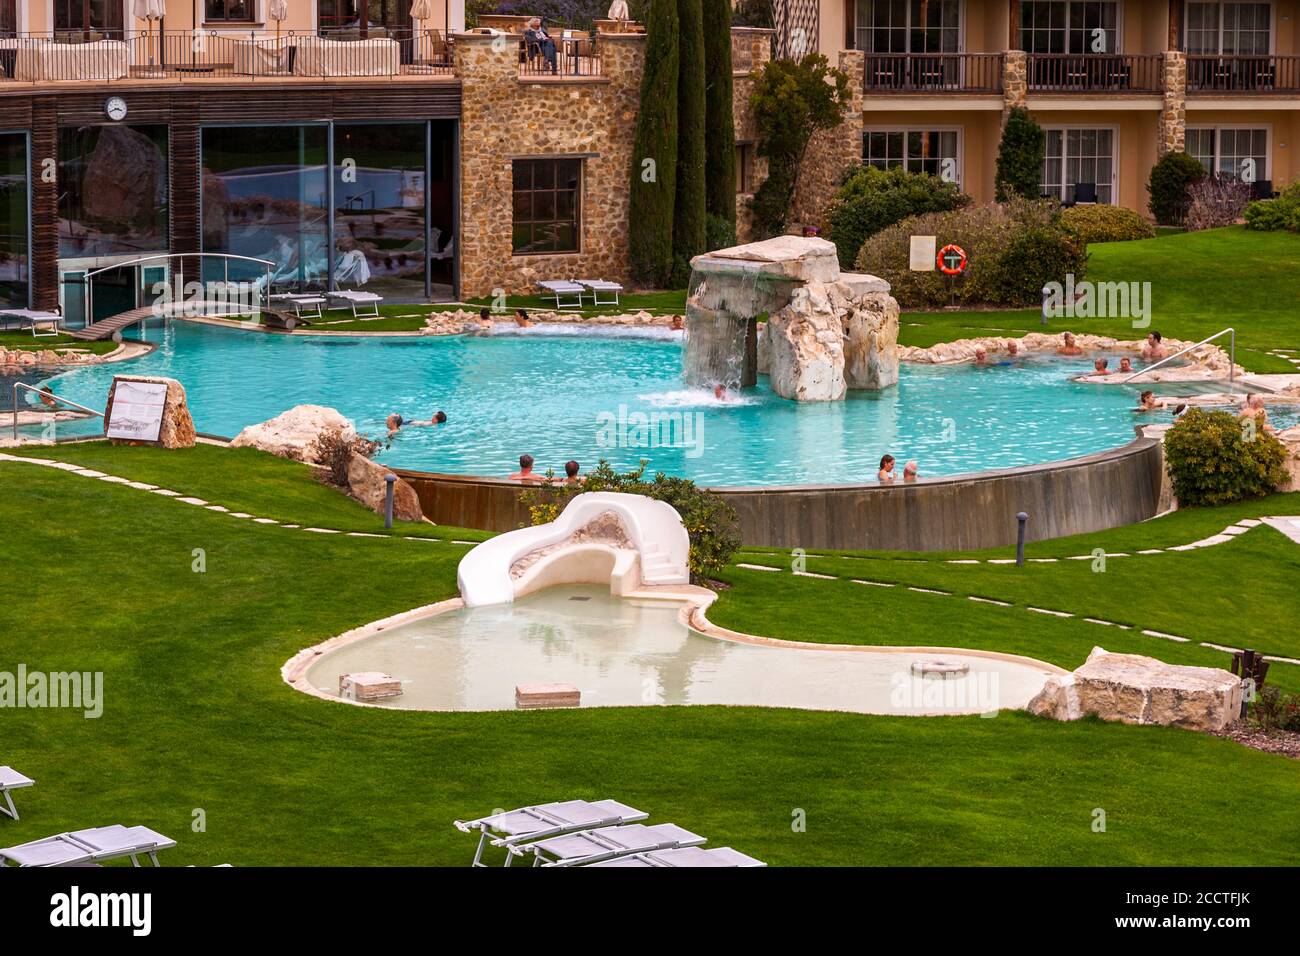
(1126, 364)
(437, 418)
(886, 473)
(720, 392)
(1153, 350)
(525, 472)
(909, 471)
(522, 320)
(1013, 348)
(1253, 408)
(485, 318)
(981, 357)
(1068, 346)
(571, 476)
(1101, 367)
(677, 324)
(394, 423)
(1147, 402)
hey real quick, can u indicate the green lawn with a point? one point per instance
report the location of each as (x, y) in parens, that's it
(1201, 282)
(30, 343)
(196, 717)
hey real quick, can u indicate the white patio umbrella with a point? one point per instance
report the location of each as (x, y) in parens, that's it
(279, 12)
(149, 11)
(421, 10)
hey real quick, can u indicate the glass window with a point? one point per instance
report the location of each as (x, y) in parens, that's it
(1230, 29)
(546, 200)
(744, 168)
(918, 151)
(379, 199)
(1200, 145)
(908, 26)
(1076, 156)
(100, 16)
(1233, 153)
(8, 17)
(14, 220)
(364, 14)
(230, 10)
(113, 190)
(1069, 26)
(264, 196)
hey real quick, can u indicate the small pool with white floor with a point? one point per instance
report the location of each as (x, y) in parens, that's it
(628, 652)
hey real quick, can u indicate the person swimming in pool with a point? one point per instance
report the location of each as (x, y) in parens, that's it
(1126, 364)
(1153, 350)
(720, 392)
(1147, 402)
(886, 473)
(909, 471)
(677, 324)
(1013, 348)
(394, 423)
(525, 472)
(1101, 367)
(1068, 346)
(437, 418)
(1253, 408)
(981, 356)
(522, 320)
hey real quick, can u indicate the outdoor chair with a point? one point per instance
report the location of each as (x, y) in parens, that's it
(564, 287)
(11, 779)
(597, 286)
(1085, 194)
(545, 820)
(42, 324)
(355, 299)
(89, 847)
(723, 856)
(607, 843)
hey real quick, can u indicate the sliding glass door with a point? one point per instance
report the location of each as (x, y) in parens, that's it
(1069, 26)
(1229, 29)
(1077, 156)
(909, 26)
(15, 222)
(89, 17)
(374, 18)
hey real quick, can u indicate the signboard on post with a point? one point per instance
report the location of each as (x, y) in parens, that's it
(137, 410)
(921, 258)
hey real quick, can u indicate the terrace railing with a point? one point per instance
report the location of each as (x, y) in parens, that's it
(575, 56)
(933, 73)
(205, 54)
(1096, 72)
(1243, 74)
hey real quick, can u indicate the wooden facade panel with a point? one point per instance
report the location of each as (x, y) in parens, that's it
(45, 203)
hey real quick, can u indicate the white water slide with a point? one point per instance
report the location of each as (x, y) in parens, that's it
(648, 546)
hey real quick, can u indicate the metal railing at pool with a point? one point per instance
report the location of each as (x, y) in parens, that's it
(1232, 356)
(46, 396)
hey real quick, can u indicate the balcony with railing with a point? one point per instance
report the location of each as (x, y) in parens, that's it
(885, 73)
(1243, 74)
(188, 55)
(1095, 72)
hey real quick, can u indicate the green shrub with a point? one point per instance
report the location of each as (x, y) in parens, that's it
(711, 523)
(872, 199)
(654, 183)
(1013, 249)
(719, 233)
(1214, 458)
(1020, 157)
(1168, 183)
(1273, 215)
(1100, 223)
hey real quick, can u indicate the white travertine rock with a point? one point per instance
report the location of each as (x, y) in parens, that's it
(871, 341)
(792, 257)
(806, 350)
(1142, 690)
(291, 434)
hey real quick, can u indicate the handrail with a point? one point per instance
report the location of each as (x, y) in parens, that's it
(50, 395)
(177, 255)
(1232, 355)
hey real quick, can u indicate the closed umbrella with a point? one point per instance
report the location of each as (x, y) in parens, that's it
(421, 10)
(150, 10)
(279, 12)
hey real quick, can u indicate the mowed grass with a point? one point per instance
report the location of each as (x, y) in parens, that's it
(25, 341)
(1201, 282)
(196, 720)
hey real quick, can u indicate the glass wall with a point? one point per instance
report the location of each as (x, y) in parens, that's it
(112, 190)
(379, 203)
(14, 221)
(265, 195)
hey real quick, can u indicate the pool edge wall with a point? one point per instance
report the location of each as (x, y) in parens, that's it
(965, 512)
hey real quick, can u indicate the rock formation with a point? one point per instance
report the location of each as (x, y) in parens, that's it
(367, 483)
(1142, 690)
(826, 331)
(291, 434)
(177, 427)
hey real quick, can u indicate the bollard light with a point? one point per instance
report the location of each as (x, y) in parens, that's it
(1046, 292)
(391, 479)
(1022, 517)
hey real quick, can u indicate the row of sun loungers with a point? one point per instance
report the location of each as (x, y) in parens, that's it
(599, 833)
(564, 288)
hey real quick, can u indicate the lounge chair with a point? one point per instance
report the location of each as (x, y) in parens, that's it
(597, 286)
(11, 779)
(89, 847)
(607, 843)
(354, 299)
(50, 322)
(685, 856)
(545, 820)
(563, 287)
(304, 304)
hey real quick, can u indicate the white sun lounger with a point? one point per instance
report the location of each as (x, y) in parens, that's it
(11, 779)
(50, 322)
(304, 305)
(85, 847)
(563, 287)
(546, 820)
(597, 286)
(607, 843)
(685, 856)
(354, 299)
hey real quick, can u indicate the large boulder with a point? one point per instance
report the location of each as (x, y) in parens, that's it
(1290, 439)
(367, 482)
(176, 429)
(806, 348)
(292, 434)
(1142, 690)
(871, 341)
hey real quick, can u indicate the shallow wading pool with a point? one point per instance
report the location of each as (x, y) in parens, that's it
(638, 653)
(560, 393)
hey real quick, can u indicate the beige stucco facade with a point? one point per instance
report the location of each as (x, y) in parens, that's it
(37, 16)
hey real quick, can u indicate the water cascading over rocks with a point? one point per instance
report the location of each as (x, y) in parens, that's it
(826, 331)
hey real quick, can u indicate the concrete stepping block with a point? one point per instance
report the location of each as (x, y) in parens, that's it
(1249, 523)
(166, 492)
(368, 685)
(984, 600)
(194, 501)
(961, 561)
(1044, 610)
(1167, 637)
(141, 486)
(930, 591)
(1234, 530)
(532, 696)
(810, 574)
(319, 530)
(749, 567)
(1152, 551)
(219, 508)
(874, 584)
(265, 521)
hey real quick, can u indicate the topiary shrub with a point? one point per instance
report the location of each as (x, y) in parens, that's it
(1215, 458)
(1168, 183)
(1099, 223)
(1272, 215)
(1013, 249)
(872, 199)
(711, 523)
(1215, 202)
(1020, 157)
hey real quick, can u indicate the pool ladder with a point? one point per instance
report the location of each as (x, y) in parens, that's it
(49, 395)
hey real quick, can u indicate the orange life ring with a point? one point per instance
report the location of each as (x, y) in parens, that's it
(951, 260)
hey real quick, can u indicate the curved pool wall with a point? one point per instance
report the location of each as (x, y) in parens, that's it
(966, 512)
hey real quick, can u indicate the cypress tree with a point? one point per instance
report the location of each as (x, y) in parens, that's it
(719, 124)
(654, 155)
(1020, 157)
(689, 212)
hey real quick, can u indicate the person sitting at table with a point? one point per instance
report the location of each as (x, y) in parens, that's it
(540, 42)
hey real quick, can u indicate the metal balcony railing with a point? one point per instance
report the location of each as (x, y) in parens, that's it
(1243, 74)
(1096, 72)
(933, 73)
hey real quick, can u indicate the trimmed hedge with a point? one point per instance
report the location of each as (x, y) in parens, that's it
(872, 199)
(1274, 215)
(1013, 249)
(1214, 458)
(1099, 223)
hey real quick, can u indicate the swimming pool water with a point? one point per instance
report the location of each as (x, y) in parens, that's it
(577, 394)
